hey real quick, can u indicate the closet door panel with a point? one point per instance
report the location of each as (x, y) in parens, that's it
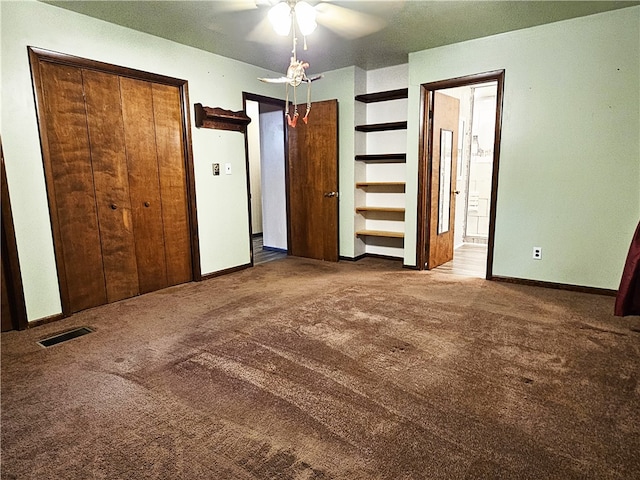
(108, 157)
(144, 183)
(173, 182)
(71, 177)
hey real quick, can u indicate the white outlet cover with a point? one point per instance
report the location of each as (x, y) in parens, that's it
(227, 168)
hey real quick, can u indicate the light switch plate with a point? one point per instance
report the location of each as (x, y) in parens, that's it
(227, 168)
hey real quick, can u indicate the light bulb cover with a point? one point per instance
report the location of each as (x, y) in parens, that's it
(280, 18)
(305, 17)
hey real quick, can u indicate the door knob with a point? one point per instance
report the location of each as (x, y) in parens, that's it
(331, 194)
(113, 206)
(457, 192)
(147, 204)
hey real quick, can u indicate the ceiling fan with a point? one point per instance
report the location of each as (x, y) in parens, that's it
(288, 17)
(285, 17)
(348, 23)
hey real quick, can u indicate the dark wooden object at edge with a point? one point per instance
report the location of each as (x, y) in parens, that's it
(221, 119)
(14, 311)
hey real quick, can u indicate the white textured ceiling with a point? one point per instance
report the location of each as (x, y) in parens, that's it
(231, 29)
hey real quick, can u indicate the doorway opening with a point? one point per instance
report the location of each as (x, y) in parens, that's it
(465, 197)
(266, 159)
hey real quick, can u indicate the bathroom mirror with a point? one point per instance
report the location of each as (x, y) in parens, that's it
(444, 197)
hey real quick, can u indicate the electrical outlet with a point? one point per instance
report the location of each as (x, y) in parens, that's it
(537, 253)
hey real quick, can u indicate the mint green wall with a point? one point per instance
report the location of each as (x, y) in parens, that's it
(569, 170)
(213, 81)
(569, 178)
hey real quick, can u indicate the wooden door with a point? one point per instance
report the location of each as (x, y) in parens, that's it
(111, 185)
(313, 184)
(115, 166)
(443, 180)
(172, 172)
(144, 183)
(71, 187)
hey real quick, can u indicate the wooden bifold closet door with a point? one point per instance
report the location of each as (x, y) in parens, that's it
(115, 167)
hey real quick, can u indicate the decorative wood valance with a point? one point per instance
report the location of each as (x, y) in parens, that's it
(214, 117)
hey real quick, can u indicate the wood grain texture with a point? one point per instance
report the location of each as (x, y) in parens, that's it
(144, 183)
(445, 116)
(313, 172)
(469, 260)
(173, 182)
(72, 179)
(380, 233)
(111, 180)
(99, 205)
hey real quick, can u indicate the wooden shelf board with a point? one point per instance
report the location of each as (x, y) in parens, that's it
(380, 184)
(381, 127)
(380, 209)
(383, 96)
(379, 233)
(383, 157)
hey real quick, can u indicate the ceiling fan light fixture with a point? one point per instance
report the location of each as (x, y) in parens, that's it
(280, 18)
(305, 17)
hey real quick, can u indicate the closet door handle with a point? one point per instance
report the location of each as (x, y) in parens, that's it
(113, 206)
(147, 204)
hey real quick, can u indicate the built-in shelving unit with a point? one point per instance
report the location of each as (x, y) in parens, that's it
(379, 212)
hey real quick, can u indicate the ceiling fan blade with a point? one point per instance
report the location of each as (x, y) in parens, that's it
(262, 32)
(347, 23)
(275, 80)
(223, 6)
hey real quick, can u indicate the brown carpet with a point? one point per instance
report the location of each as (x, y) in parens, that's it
(298, 369)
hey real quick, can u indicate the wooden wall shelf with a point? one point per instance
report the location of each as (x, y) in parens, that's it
(383, 157)
(383, 96)
(382, 127)
(221, 119)
(379, 233)
(380, 209)
(390, 185)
